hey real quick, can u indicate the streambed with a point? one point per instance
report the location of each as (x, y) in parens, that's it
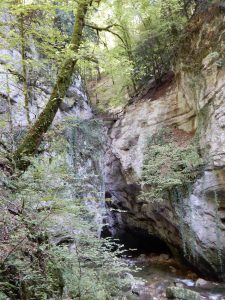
(158, 272)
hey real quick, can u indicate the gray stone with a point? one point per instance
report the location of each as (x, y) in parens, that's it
(181, 293)
(201, 282)
(137, 287)
(180, 284)
(185, 282)
(180, 105)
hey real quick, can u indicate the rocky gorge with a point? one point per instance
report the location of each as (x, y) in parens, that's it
(190, 102)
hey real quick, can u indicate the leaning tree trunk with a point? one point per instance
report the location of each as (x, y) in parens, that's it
(33, 138)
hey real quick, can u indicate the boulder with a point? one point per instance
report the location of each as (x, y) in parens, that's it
(181, 294)
(184, 282)
(201, 282)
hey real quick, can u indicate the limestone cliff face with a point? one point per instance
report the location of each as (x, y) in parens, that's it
(12, 102)
(193, 102)
(82, 135)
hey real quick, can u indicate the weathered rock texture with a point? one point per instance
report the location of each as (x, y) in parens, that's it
(195, 103)
(13, 113)
(40, 83)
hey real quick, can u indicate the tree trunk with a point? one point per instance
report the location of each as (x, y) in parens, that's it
(32, 140)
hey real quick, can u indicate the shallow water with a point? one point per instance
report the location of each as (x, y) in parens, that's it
(159, 272)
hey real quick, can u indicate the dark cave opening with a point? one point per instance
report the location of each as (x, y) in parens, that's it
(138, 241)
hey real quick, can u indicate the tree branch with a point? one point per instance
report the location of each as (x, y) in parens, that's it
(108, 29)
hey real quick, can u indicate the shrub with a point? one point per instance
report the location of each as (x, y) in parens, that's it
(168, 166)
(52, 244)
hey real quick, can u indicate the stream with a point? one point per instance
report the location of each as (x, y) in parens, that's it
(158, 272)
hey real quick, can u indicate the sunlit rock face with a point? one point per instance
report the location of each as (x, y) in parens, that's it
(195, 103)
(79, 131)
(83, 140)
(41, 78)
(12, 96)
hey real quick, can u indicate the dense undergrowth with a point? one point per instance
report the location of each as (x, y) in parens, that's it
(50, 245)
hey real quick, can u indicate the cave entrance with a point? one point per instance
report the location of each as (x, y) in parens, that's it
(142, 242)
(136, 239)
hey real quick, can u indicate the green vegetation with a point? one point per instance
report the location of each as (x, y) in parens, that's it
(51, 248)
(136, 43)
(168, 167)
(172, 164)
(31, 141)
(123, 44)
(52, 182)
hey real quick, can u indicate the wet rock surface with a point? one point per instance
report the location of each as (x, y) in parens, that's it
(163, 278)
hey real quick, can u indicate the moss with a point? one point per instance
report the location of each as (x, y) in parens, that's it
(181, 293)
(34, 136)
(3, 296)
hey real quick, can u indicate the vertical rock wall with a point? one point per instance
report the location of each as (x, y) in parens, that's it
(193, 103)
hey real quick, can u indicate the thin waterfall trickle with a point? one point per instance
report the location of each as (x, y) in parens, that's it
(86, 158)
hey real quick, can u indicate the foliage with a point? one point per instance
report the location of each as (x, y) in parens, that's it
(168, 167)
(41, 42)
(156, 43)
(52, 248)
(3, 296)
(33, 137)
(171, 165)
(138, 47)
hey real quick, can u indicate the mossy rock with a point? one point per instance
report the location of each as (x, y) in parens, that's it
(3, 296)
(181, 293)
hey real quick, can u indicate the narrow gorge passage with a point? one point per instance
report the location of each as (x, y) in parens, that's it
(112, 150)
